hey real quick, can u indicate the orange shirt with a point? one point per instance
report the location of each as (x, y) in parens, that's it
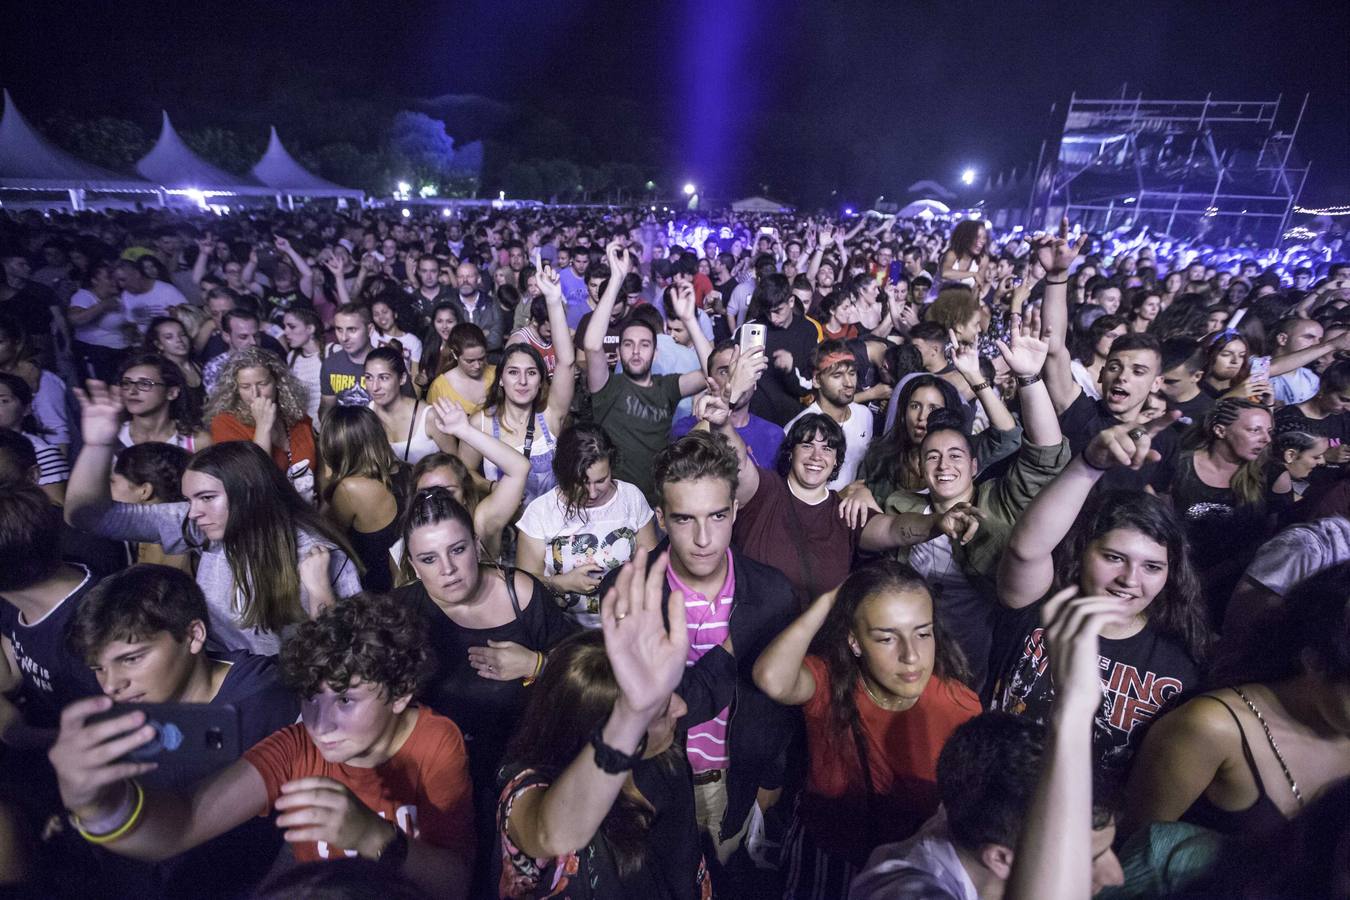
(227, 427)
(423, 788)
(902, 748)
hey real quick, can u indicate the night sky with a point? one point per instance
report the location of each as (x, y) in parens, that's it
(797, 97)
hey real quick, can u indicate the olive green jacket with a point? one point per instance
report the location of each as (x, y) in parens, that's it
(1002, 500)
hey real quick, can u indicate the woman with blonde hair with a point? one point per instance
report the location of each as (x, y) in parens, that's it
(258, 399)
(363, 489)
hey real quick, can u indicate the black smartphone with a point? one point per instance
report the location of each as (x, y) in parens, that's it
(192, 740)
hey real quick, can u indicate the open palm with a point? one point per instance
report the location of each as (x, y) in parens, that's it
(647, 657)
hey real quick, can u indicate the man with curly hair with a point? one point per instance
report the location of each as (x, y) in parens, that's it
(365, 774)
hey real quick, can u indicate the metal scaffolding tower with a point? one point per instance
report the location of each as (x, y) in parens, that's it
(1220, 170)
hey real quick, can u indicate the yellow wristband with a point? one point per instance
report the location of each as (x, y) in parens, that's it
(125, 827)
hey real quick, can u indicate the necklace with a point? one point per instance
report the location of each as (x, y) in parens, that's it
(875, 699)
(1270, 738)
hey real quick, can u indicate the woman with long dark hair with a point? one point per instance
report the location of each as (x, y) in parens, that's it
(525, 408)
(591, 523)
(151, 473)
(880, 695)
(1271, 737)
(169, 338)
(437, 357)
(1129, 546)
(363, 489)
(268, 560)
(1094, 346)
(409, 426)
(599, 798)
(302, 333)
(388, 313)
(158, 404)
(1225, 362)
(964, 256)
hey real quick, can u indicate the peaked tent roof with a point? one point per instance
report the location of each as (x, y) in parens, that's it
(28, 161)
(759, 204)
(173, 165)
(278, 170)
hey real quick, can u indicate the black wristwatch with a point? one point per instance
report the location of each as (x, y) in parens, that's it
(395, 853)
(611, 761)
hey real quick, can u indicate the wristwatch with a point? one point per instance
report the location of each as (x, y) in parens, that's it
(611, 761)
(395, 853)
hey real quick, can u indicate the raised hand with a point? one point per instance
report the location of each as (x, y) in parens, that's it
(1057, 253)
(746, 369)
(450, 416)
(617, 255)
(282, 244)
(1127, 445)
(1073, 626)
(100, 413)
(550, 283)
(647, 658)
(1026, 355)
(712, 409)
(683, 301)
(966, 358)
(333, 264)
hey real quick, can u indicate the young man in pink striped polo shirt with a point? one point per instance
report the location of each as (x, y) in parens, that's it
(736, 736)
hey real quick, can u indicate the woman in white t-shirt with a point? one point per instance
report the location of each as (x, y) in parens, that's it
(100, 327)
(385, 327)
(589, 524)
(302, 331)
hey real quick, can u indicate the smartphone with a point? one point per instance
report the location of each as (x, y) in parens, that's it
(752, 336)
(766, 230)
(1260, 368)
(192, 740)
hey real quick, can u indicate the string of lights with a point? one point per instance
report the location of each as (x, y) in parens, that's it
(1324, 211)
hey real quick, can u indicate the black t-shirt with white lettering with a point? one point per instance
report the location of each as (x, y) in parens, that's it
(1141, 676)
(1086, 418)
(52, 676)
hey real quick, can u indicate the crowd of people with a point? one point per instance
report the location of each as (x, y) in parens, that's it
(569, 553)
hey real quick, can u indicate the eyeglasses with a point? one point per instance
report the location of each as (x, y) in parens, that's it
(140, 385)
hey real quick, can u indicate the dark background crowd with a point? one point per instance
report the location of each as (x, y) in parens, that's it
(585, 553)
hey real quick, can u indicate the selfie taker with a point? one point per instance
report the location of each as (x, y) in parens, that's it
(366, 774)
(143, 634)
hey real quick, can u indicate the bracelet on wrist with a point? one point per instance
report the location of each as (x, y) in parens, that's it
(97, 835)
(1049, 280)
(610, 760)
(1027, 380)
(979, 386)
(538, 667)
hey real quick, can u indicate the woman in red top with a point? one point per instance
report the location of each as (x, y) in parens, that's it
(879, 703)
(258, 399)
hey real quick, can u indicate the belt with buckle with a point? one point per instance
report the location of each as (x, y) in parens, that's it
(712, 776)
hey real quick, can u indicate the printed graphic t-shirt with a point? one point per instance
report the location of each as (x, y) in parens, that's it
(603, 535)
(1141, 676)
(423, 788)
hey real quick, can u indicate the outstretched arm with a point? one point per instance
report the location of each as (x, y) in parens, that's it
(648, 663)
(593, 341)
(88, 494)
(1056, 255)
(496, 509)
(687, 310)
(563, 385)
(1027, 569)
(1025, 357)
(301, 266)
(780, 671)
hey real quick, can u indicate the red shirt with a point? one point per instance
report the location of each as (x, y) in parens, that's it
(902, 749)
(423, 788)
(227, 427)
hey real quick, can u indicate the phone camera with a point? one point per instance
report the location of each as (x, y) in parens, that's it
(215, 739)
